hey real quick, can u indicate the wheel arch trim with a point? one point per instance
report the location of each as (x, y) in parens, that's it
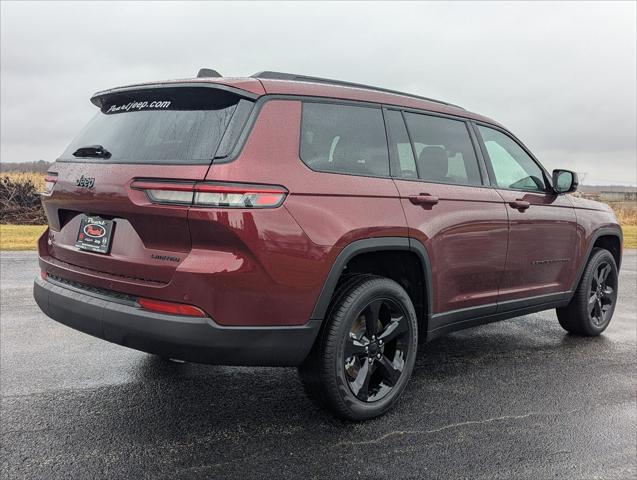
(596, 235)
(376, 244)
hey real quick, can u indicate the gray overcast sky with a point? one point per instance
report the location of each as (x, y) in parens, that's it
(561, 76)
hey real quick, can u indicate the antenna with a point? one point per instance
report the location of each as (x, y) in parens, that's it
(208, 73)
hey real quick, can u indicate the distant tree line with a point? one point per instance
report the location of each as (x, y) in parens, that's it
(39, 166)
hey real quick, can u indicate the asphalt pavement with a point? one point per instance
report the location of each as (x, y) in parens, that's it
(515, 399)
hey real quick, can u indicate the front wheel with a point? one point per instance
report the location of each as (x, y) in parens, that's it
(366, 352)
(593, 303)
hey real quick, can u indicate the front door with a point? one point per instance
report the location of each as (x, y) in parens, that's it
(542, 225)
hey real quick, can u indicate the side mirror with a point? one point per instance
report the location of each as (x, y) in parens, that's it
(564, 181)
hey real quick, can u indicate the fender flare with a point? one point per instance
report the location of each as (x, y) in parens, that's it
(602, 232)
(372, 245)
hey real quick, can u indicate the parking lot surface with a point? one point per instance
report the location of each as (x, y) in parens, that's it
(516, 399)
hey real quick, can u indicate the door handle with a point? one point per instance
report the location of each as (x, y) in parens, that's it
(423, 199)
(520, 205)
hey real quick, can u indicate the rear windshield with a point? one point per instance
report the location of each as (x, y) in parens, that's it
(164, 125)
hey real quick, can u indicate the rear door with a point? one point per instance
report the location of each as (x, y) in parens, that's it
(542, 225)
(461, 222)
(164, 135)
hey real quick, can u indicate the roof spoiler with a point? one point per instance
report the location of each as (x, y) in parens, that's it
(98, 98)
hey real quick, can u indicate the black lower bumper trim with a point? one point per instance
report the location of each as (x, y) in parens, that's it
(187, 338)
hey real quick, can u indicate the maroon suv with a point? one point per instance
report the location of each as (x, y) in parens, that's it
(290, 220)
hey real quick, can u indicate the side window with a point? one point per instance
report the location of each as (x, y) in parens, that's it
(512, 166)
(344, 139)
(444, 152)
(402, 156)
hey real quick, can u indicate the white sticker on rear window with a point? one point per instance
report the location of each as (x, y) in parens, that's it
(127, 107)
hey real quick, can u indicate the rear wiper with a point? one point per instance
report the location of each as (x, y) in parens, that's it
(93, 151)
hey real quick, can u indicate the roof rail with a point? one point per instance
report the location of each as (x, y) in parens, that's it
(304, 78)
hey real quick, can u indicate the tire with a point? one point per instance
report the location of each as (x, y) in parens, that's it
(591, 308)
(365, 353)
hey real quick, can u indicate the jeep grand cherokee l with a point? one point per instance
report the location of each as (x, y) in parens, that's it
(298, 221)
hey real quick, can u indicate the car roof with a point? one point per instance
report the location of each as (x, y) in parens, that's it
(257, 87)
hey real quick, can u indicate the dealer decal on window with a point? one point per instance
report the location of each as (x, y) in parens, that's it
(127, 107)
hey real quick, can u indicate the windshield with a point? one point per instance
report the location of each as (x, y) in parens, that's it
(164, 125)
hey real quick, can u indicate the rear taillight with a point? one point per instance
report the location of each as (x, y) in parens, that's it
(171, 308)
(238, 195)
(49, 182)
(212, 194)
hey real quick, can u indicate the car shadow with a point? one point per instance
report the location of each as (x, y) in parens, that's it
(230, 420)
(236, 395)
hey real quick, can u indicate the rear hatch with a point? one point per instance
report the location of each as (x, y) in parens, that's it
(156, 134)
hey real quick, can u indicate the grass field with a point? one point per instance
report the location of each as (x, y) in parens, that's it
(20, 237)
(630, 236)
(23, 237)
(19, 177)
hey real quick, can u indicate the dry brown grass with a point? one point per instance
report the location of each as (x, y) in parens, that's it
(36, 178)
(626, 212)
(20, 237)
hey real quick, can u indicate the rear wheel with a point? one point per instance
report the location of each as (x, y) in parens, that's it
(365, 354)
(593, 303)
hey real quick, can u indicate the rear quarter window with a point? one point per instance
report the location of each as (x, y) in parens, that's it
(344, 139)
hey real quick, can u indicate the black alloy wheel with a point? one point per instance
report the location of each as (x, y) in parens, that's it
(376, 349)
(591, 308)
(602, 293)
(365, 353)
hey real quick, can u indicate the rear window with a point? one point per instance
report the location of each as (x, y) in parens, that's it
(344, 139)
(164, 125)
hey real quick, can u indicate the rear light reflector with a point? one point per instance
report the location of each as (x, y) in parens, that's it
(170, 196)
(170, 307)
(178, 193)
(213, 194)
(49, 182)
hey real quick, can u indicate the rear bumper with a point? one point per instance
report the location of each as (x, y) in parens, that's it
(186, 338)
